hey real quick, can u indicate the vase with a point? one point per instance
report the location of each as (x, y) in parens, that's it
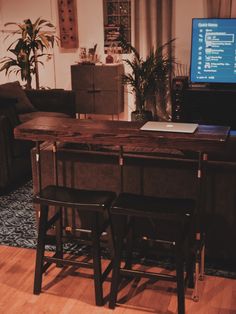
(144, 115)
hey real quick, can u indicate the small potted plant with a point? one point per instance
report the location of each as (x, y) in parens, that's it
(149, 80)
(34, 39)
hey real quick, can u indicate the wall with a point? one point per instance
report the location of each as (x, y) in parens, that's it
(56, 72)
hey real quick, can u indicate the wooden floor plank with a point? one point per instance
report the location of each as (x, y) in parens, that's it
(64, 293)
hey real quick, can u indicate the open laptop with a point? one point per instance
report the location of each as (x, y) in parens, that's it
(169, 127)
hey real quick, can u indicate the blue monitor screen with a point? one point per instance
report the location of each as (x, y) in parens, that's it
(213, 51)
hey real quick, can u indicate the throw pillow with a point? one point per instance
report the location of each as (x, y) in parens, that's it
(14, 90)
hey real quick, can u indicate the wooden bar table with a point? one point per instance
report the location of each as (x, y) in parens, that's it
(205, 140)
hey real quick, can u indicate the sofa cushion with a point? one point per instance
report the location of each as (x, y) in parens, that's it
(32, 115)
(53, 100)
(14, 90)
(8, 109)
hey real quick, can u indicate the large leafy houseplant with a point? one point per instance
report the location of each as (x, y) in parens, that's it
(139, 80)
(149, 79)
(34, 42)
(163, 71)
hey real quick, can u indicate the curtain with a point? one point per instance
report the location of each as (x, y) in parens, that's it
(152, 24)
(152, 29)
(221, 8)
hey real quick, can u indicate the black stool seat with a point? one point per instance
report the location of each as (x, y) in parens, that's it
(75, 198)
(147, 206)
(94, 203)
(174, 215)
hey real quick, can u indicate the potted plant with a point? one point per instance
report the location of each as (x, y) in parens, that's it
(161, 84)
(149, 80)
(35, 38)
(139, 80)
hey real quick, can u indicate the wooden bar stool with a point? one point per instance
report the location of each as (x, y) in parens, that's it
(174, 216)
(94, 203)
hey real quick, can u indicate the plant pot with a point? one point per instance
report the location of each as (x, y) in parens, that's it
(145, 115)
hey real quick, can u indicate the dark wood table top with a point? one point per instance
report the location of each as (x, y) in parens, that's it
(206, 138)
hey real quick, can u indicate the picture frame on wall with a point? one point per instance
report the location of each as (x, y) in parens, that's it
(67, 11)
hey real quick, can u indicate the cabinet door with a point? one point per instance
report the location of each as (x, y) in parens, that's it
(82, 77)
(105, 102)
(107, 77)
(84, 101)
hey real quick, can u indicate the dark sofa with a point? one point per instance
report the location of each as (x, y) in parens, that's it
(152, 173)
(17, 106)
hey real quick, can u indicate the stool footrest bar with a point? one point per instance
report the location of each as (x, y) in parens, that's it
(67, 262)
(147, 274)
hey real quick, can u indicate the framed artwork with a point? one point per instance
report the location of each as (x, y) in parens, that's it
(68, 25)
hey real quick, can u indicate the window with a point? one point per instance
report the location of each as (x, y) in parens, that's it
(117, 21)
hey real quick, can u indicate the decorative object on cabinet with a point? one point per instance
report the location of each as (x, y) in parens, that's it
(67, 11)
(117, 21)
(88, 56)
(34, 37)
(98, 88)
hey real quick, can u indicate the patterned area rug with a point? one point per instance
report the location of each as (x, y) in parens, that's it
(18, 228)
(17, 218)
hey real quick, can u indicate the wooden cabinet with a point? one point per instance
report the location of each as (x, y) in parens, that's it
(98, 88)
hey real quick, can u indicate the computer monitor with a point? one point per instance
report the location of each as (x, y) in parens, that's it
(213, 51)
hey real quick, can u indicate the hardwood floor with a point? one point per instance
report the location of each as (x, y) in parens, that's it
(64, 293)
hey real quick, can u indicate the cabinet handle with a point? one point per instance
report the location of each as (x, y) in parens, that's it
(95, 90)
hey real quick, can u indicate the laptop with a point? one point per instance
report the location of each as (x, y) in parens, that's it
(169, 127)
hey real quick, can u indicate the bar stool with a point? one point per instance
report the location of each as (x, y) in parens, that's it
(95, 203)
(175, 216)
